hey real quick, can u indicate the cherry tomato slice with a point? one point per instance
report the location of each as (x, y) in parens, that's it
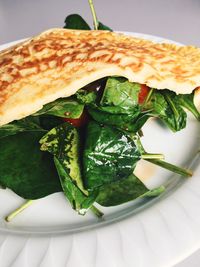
(143, 93)
(79, 122)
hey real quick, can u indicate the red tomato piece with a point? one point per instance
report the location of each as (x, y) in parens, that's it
(79, 122)
(143, 93)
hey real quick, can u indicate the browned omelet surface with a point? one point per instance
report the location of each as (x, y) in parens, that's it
(58, 62)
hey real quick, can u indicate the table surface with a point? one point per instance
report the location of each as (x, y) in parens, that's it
(177, 20)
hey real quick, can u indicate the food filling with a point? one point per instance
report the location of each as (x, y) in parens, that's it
(88, 145)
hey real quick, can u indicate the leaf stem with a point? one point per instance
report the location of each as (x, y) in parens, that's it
(140, 133)
(148, 97)
(94, 15)
(152, 156)
(192, 109)
(171, 167)
(96, 211)
(174, 109)
(154, 192)
(18, 210)
(195, 113)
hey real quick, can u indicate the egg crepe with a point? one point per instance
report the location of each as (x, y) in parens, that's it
(58, 62)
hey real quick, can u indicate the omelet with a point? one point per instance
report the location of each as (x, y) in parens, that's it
(58, 62)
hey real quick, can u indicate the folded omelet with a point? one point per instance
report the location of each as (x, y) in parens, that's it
(58, 62)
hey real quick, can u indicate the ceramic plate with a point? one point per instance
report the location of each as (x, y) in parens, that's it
(154, 233)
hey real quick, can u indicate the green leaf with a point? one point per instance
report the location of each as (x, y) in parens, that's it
(154, 192)
(28, 124)
(76, 22)
(63, 142)
(125, 190)
(91, 93)
(109, 155)
(103, 27)
(177, 121)
(86, 97)
(170, 167)
(163, 105)
(187, 101)
(160, 162)
(125, 122)
(138, 122)
(118, 106)
(48, 122)
(78, 200)
(120, 96)
(62, 107)
(26, 170)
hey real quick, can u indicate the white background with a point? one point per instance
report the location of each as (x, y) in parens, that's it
(178, 20)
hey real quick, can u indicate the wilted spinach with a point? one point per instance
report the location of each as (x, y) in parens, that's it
(27, 124)
(109, 155)
(86, 97)
(125, 190)
(164, 105)
(118, 106)
(26, 170)
(120, 96)
(48, 122)
(121, 191)
(122, 121)
(76, 22)
(63, 143)
(78, 200)
(62, 107)
(103, 27)
(187, 101)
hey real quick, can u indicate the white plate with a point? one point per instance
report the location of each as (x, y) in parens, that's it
(155, 233)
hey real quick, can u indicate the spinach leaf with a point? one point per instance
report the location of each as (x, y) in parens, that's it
(86, 97)
(109, 155)
(178, 119)
(118, 106)
(103, 27)
(78, 200)
(27, 124)
(63, 142)
(163, 104)
(76, 22)
(120, 96)
(26, 170)
(187, 101)
(127, 122)
(125, 190)
(154, 192)
(62, 107)
(138, 122)
(48, 122)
